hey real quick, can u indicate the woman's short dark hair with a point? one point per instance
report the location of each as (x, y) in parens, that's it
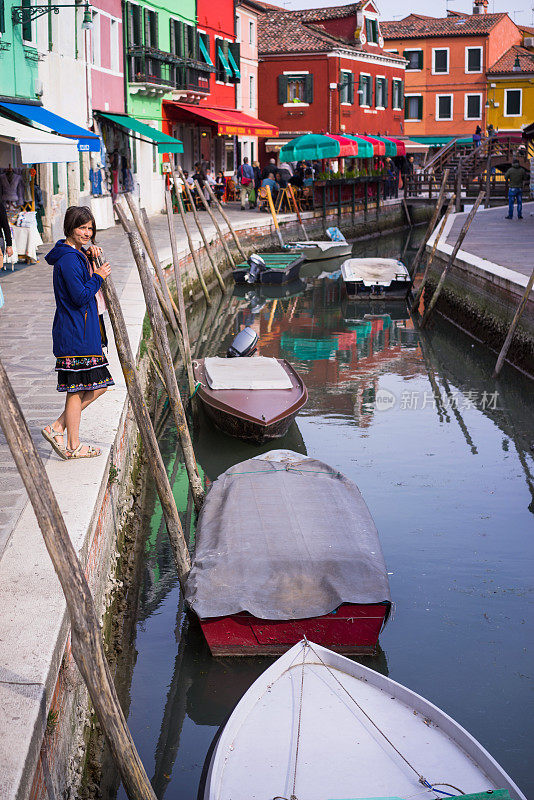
(75, 217)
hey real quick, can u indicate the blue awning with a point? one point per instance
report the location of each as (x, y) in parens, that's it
(87, 140)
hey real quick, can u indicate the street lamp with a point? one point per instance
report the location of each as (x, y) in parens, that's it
(21, 15)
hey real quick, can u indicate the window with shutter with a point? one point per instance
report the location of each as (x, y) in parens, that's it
(415, 60)
(234, 55)
(308, 89)
(361, 90)
(413, 107)
(351, 88)
(473, 59)
(473, 106)
(386, 92)
(282, 89)
(346, 87)
(440, 61)
(444, 106)
(27, 25)
(513, 102)
(370, 90)
(2, 17)
(379, 92)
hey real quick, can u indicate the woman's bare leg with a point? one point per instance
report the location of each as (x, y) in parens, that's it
(88, 397)
(72, 415)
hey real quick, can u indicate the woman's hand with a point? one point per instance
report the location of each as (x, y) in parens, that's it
(104, 270)
(94, 251)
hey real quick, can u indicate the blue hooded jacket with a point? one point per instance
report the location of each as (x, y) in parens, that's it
(76, 328)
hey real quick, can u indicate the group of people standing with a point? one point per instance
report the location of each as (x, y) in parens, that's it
(251, 179)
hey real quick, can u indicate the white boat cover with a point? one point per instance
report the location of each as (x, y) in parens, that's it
(372, 271)
(284, 540)
(324, 247)
(246, 373)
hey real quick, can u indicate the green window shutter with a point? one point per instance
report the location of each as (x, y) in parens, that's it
(385, 96)
(2, 17)
(361, 89)
(377, 88)
(308, 88)
(55, 178)
(282, 89)
(234, 56)
(370, 84)
(146, 27)
(419, 108)
(368, 31)
(154, 29)
(204, 48)
(137, 25)
(401, 94)
(26, 26)
(181, 39)
(351, 88)
(420, 59)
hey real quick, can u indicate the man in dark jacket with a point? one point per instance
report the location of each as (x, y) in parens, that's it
(515, 177)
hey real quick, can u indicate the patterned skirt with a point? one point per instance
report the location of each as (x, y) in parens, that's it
(82, 373)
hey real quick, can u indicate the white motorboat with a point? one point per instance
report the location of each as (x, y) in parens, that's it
(376, 278)
(318, 251)
(317, 725)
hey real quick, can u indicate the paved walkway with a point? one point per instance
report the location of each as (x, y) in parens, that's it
(506, 242)
(26, 342)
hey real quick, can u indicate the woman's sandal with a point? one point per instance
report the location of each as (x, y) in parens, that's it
(92, 452)
(50, 435)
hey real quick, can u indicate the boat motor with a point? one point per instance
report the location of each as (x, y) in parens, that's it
(256, 266)
(244, 344)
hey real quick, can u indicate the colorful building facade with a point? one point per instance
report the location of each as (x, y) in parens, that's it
(447, 60)
(326, 70)
(511, 89)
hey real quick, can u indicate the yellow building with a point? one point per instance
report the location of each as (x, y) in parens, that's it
(510, 103)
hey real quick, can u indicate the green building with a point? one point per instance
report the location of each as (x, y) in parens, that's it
(18, 54)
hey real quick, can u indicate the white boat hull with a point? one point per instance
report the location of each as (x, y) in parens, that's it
(318, 251)
(341, 753)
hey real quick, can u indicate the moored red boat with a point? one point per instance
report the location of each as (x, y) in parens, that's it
(286, 548)
(257, 398)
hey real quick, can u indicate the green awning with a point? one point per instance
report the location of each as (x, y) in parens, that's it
(204, 51)
(365, 148)
(439, 141)
(310, 146)
(166, 144)
(234, 65)
(224, 62)
(391, 147)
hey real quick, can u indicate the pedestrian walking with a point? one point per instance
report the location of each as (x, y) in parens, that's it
(245, 177)
(515, 176)
(6, 242)
(77, 332)
(477, 136)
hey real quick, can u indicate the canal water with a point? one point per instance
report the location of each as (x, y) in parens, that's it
(443, 456)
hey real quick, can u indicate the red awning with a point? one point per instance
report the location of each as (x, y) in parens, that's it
(229, 121)
(401, 147)
(348, 148)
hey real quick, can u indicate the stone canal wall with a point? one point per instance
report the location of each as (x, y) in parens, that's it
(44, 708)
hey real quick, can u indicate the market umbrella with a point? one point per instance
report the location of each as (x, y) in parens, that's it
(365, 148)
(309, 147)
(401, 146)
(379, 148)
(391, 147)
(348, 148)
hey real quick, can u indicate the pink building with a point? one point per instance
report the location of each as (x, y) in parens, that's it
(246, 30)
(106, 57)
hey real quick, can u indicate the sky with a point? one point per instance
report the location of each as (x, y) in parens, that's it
(520, 10)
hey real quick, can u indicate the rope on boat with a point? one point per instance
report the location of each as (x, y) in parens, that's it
(421, 778)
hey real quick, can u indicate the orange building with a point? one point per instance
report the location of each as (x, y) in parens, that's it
(448, 57)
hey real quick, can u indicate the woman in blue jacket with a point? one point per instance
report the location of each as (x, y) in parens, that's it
(81, 366)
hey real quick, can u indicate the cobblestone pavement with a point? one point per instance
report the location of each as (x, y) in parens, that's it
(26, 345)
(507, 242)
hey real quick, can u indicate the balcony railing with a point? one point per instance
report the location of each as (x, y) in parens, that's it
(151, 66)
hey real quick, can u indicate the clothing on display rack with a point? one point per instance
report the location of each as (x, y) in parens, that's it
(11, 187)
(95, 177)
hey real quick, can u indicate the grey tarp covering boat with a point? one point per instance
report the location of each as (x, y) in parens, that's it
(286, 538)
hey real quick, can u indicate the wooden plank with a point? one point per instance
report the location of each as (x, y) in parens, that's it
(513, 326)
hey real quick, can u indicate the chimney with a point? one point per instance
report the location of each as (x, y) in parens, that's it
(480, 6)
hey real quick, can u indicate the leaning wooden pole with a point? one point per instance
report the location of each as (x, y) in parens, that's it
(431, 224)
(224, 215)
(273, 215)
(153, 256)
(146, 430)
(150, 232)
(291, 191)
(180, 293)
(217, 226)
(513, 326)
(165, 359)
(446, 216)
(461, 237)
(200, 227)
(86, 636)
(192, 249)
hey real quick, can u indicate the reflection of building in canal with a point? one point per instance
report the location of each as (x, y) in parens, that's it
(339, 346)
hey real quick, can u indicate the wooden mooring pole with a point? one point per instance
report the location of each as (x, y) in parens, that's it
(165, 359)
(419, 292)
(217, 226)
(179, 293)
(192, 249)
(86, 636)
(273, 214)
(146, 430)
(461, 237)
(153, 256)
(226, 219)
(291, 191)
(513, 326)
(431, 224)
(200, 227)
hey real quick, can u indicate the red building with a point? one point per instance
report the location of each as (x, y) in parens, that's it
(325, 70)
(205, 117)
